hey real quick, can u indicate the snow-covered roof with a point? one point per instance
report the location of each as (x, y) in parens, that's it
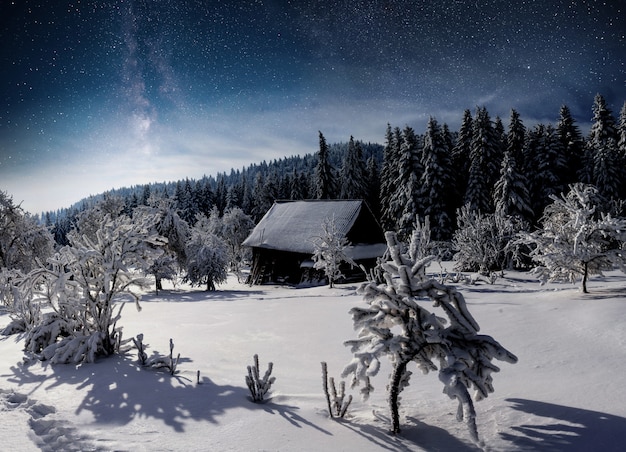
(293, 225)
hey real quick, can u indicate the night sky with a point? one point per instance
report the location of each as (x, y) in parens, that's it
(104, 94)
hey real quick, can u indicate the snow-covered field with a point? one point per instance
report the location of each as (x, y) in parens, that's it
(566, 393)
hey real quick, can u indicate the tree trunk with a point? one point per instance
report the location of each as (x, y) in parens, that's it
(585, 275)
(394, 393)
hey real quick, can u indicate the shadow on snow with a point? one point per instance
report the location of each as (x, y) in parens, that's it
(562, 428)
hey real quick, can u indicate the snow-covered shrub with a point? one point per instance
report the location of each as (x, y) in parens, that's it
(258, 386)
(236, 226)
(329, 251)
(336, 400)
(484, 242)
(577, 241)
(86, 284)
(23, 240)
(19, 301)
(395, 323)
(207, 259)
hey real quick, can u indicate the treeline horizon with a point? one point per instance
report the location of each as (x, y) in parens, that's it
(485, 165)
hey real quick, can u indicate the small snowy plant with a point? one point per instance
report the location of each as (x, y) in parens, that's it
(576, 241)
(258, 386)
(336, 400)
(156, 361)
(330, 251)
(395, 323)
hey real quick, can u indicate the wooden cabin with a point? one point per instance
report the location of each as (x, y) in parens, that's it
(283, 243)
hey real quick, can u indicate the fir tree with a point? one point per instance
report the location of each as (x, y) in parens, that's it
(389, 173)
(406, 198)
(571, 143)
(436, 182)
(483, 169)
(511, 195)
(353, 172)
(602, 135)
(373, 186)
(324, 177)
(461, 155)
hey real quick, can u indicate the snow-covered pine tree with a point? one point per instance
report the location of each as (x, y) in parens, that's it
(330, 251)
(373, 186)
(406, 198)
(621, 146)
(608, 171)
(511, 196)
(576, 241)
(396, 324)
(483, 169)
(461, 156)
(390, 211)
(571, 144)
(437, 182)
(544, 162)
(324, 176)
(602, 132)
(353, 172)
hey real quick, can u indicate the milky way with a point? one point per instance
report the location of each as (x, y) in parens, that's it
(125, 92)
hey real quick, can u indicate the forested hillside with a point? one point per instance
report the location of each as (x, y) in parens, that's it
(491, 165)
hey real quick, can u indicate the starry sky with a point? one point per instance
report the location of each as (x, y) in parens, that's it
(103, 94)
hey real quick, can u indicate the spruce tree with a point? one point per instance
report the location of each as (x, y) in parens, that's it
(389, 174)
(511, 196)
(406, 198)
(353, 172)
(621, 147)
(436, 182)
(483, 169)
(461, 155)
(373, 186)
(324, 177)
(571, 143)
(545, 163)
(602, 152)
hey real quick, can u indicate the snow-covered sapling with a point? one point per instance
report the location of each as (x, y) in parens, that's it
(397, 325)
(330, 251)
(259, 387)
(337, 403)
(576, 240)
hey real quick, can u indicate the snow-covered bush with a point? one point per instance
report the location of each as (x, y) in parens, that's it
(484, 242)
(22, 240)
(395, 323)
(207, 259)
(20, 302)
(236, 226)
(85, 286)
(329, 251)
(336, 400)
(577, 241)
(258, 386)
